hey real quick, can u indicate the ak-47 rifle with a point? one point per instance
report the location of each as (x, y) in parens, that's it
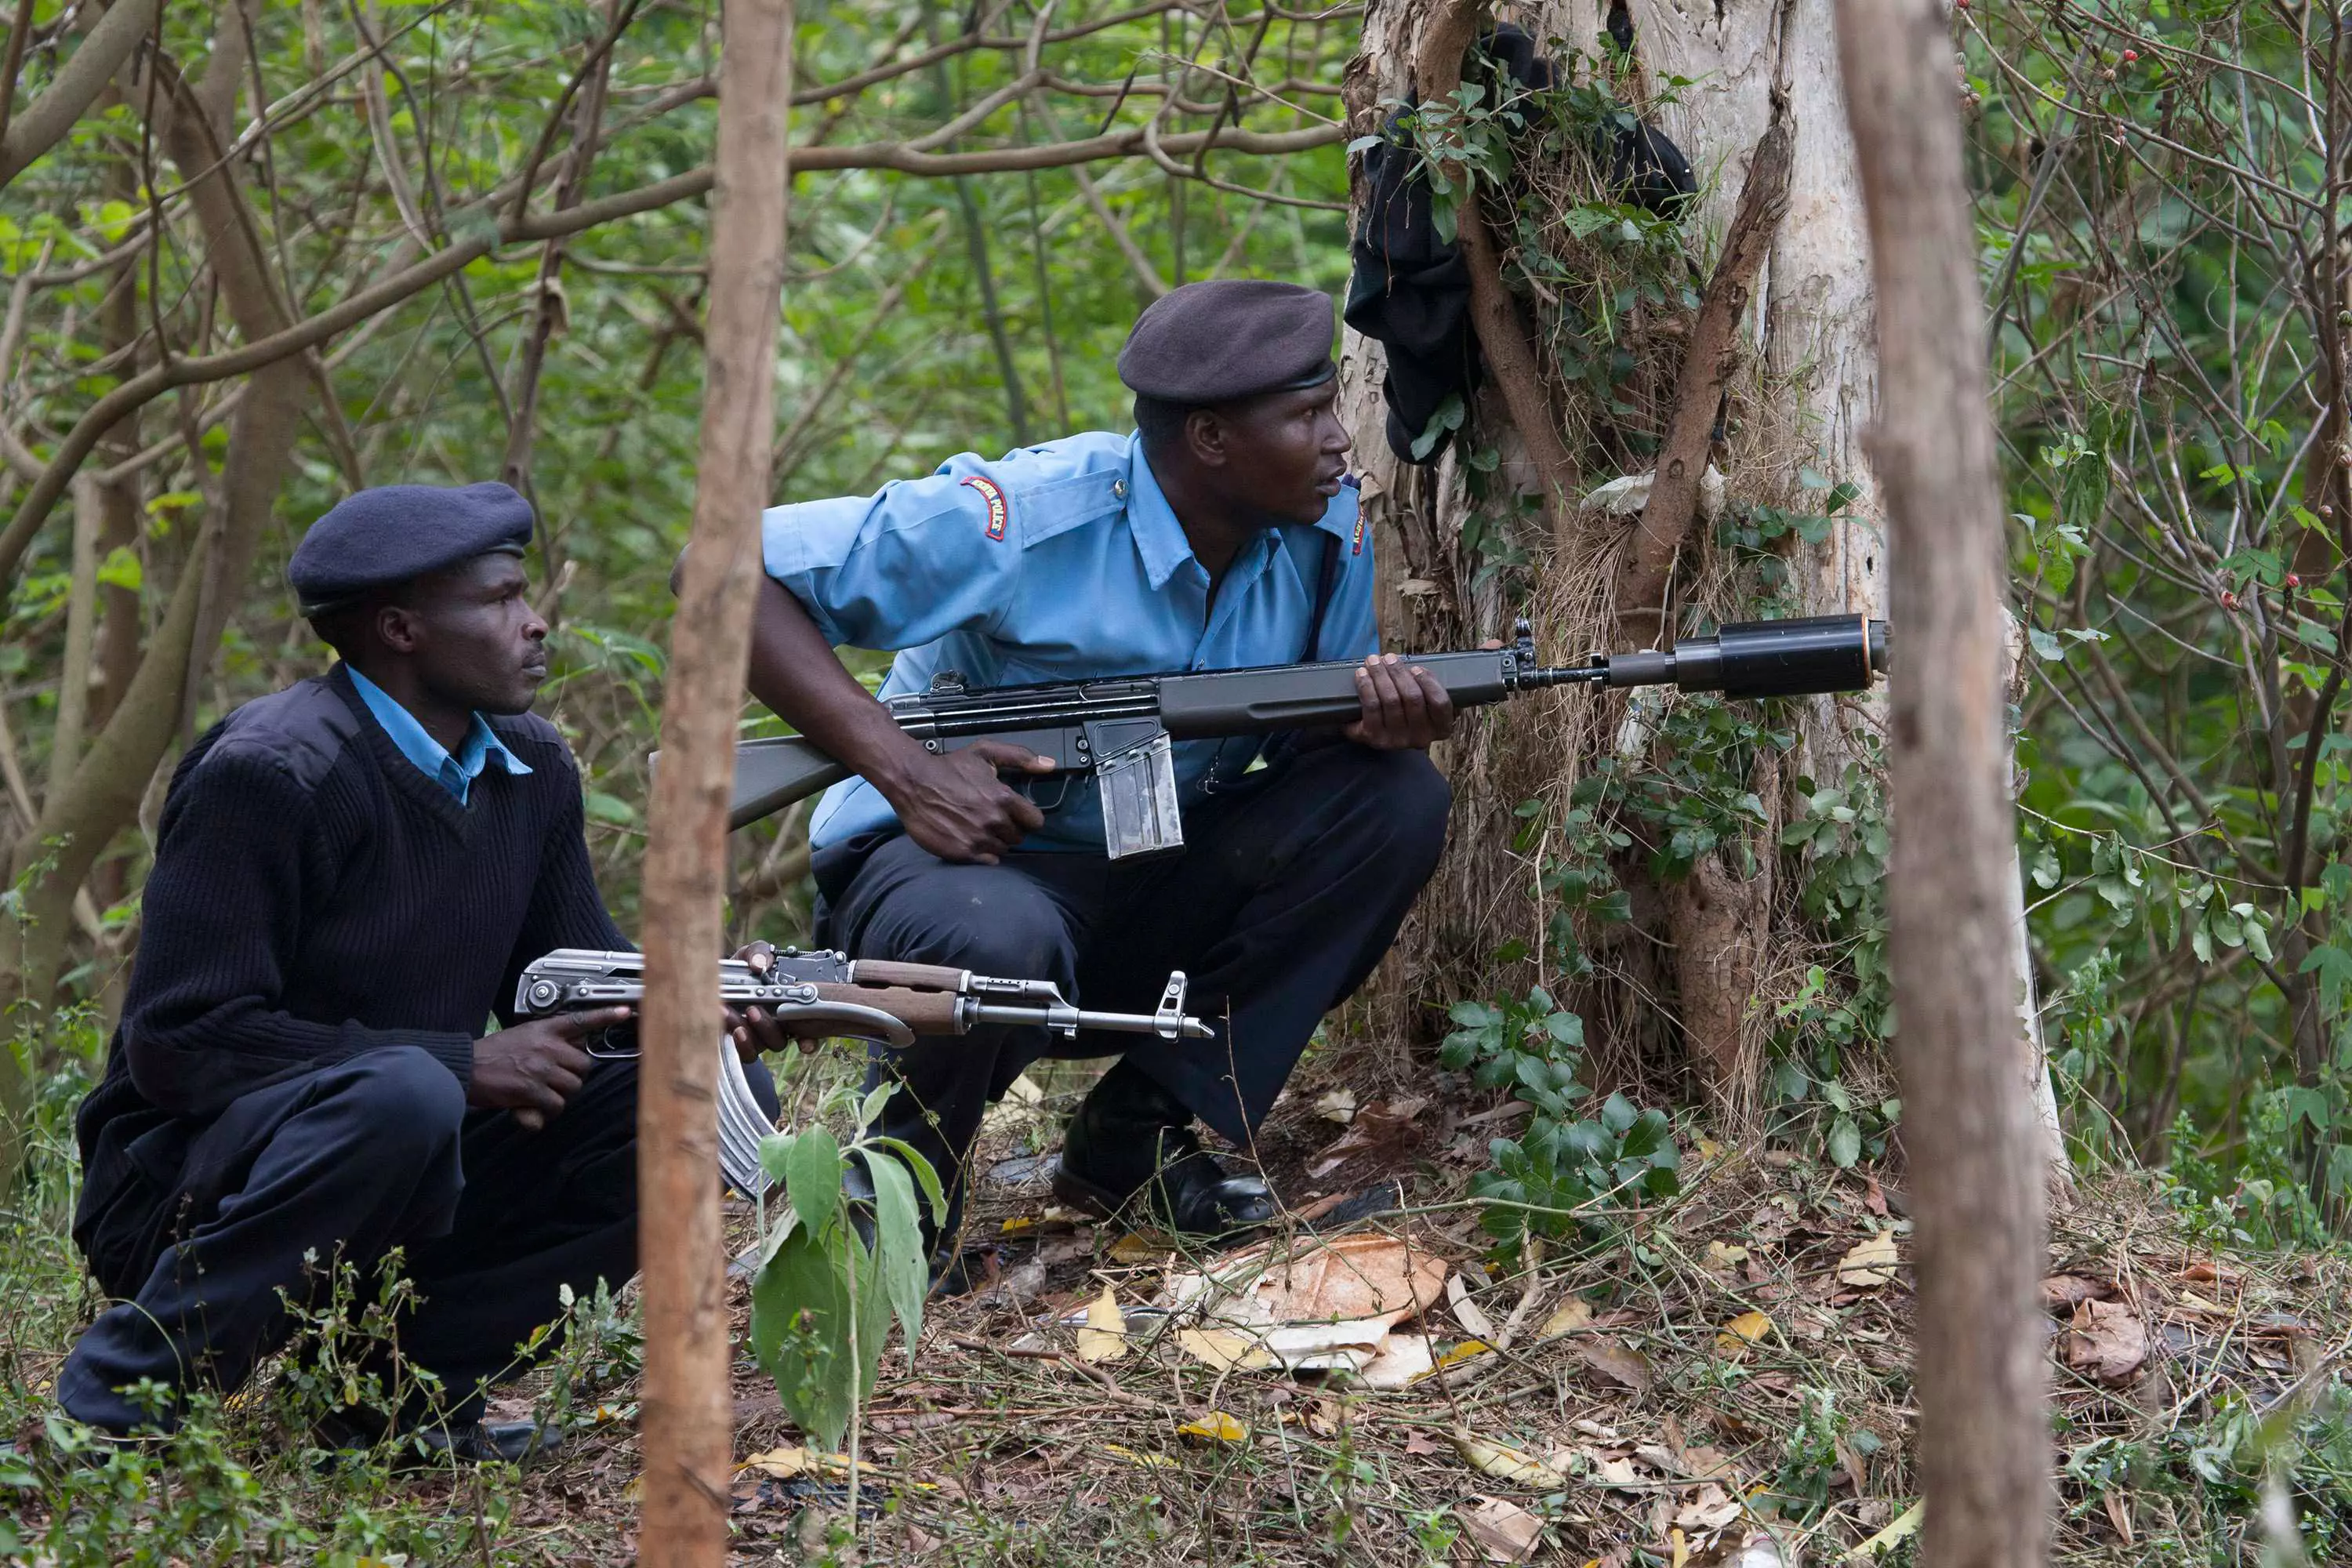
(825, 995)
(1121, 729)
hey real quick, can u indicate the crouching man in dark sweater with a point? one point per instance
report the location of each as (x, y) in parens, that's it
(351, 874)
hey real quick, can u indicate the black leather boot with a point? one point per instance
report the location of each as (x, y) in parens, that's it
(1130, 1151)
(435, 1445)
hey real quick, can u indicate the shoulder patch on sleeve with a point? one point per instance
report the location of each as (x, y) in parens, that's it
(1357, 547)
(999, 511)
(528, 729)
(301, 731)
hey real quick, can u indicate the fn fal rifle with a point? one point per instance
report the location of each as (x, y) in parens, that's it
(1121, 729)
(830, 994)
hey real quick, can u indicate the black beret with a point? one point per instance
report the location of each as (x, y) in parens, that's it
(387, 536)
(1229, 338)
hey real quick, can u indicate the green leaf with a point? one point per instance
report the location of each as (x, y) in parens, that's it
(2045, 644)
(803, 1303)
(1845, 1142)
(813, 1178)
(926, 1178)
(611, 808)
(903, 1261)
(775, 1154)
(1617, 1114)
(120, 569)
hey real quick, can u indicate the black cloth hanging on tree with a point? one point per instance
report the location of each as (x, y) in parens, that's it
(1411, 290)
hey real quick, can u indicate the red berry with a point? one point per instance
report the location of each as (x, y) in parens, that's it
(2228, 600)
(2292, 581)
(2130, 55)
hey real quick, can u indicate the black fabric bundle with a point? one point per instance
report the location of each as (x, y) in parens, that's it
(1412, 290)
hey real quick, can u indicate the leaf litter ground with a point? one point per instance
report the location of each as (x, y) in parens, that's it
(1722, 1381)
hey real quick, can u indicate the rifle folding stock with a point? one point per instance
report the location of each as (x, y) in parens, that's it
(1120, 729)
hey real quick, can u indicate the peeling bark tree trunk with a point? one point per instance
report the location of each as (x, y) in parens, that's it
(1795, 356)
(687, 1421)
(1969, 1129)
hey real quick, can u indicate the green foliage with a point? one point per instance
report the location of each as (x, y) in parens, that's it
(833, 1275)
(1564, 1170)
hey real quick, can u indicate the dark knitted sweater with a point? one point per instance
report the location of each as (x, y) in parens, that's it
(315, 896)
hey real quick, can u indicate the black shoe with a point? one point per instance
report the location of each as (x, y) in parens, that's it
(954, 1271)
(436, 1444)
(1131, 1150)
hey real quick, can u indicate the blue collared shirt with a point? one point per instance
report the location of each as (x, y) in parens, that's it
(456, 775)
(1059, 563)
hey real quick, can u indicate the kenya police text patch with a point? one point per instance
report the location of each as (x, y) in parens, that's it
(997, 510)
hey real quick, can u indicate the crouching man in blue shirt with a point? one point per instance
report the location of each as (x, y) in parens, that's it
(1222, 534)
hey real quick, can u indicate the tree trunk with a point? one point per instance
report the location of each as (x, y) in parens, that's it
(1799, 374)
(686, 1424)
(1969, 1125)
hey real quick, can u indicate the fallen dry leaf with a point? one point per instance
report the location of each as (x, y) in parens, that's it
(1224, 1349)
(1322, 1418)
(1504, 1532)
(1467, 1312)
(1336, 1105)
(2118, 1508)
(1874, 1196)
(1214, 1427)
(1134, 1457)
(1905, 1527)
(789, 1461)
(1723, 1257)
(1506, 1463)
(1134, 1248)
(2065, 1292)
(1105, 1336)
(1741, 1333)
(1419, 1442)
(1615, 1471)
(1620, 1363)
(1405, 1358)
(1345, 1280)
(1869, 1264)
(2104, 1341)
(1709, 1511)
(1566, 1319)
(1382, 1125)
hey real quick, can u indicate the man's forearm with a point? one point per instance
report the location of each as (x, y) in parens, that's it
(794, 671)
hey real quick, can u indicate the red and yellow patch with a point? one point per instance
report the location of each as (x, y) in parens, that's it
(999, 511)
(1357, 548)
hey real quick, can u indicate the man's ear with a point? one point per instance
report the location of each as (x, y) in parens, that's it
(1207, 438)
(398, 629)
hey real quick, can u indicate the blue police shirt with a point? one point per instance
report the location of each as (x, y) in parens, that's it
(456, 775)
(1059, 563)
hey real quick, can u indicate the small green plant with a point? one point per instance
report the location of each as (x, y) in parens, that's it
(1563, 1161)
(825, 1293)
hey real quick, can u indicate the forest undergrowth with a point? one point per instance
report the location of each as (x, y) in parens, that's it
(1718, 1377)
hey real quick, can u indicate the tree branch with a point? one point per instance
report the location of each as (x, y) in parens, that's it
(481, 239)
(47, 118)
(1645, 572)
(1445, 39)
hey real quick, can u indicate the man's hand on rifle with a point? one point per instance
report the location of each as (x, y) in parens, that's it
(957, 808)
(533, 1068)
(1405, 708)
(755, 1030)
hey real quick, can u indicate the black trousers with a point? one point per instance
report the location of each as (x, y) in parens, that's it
(348, 1162)
(1285, 897)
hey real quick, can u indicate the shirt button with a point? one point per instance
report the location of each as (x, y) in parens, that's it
(1118, 488)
